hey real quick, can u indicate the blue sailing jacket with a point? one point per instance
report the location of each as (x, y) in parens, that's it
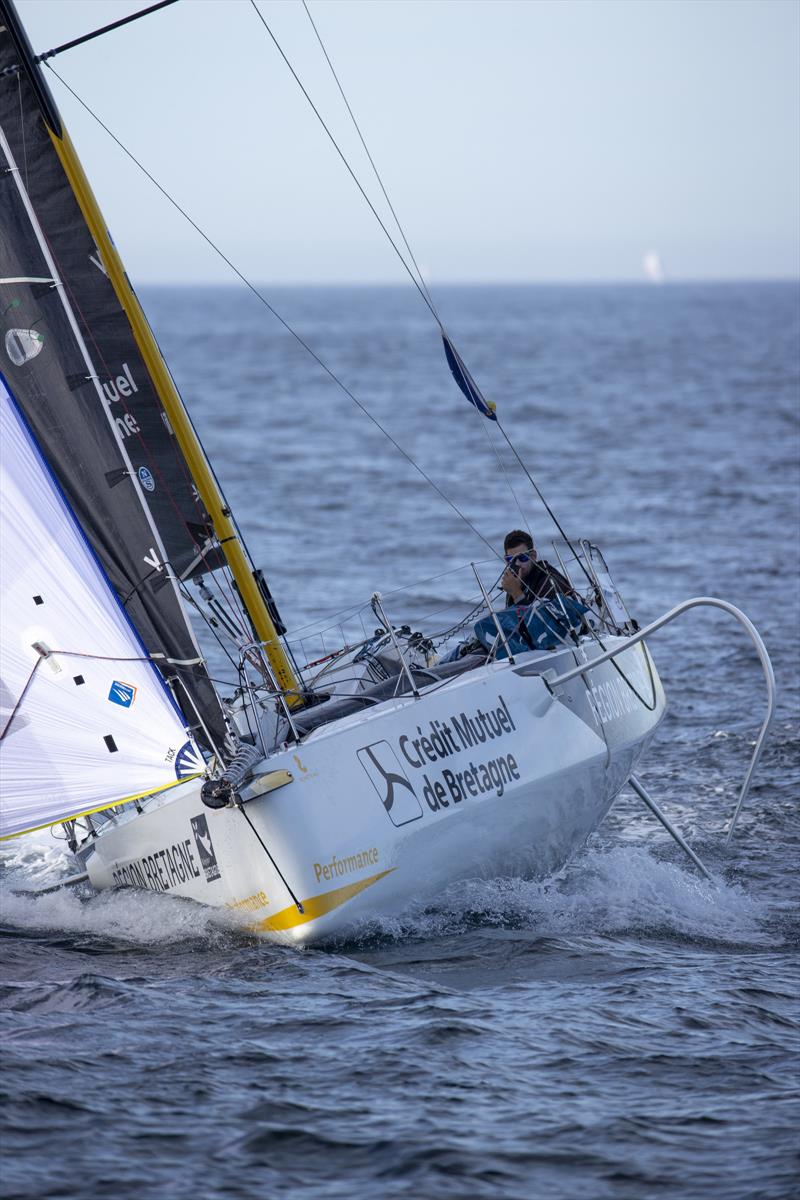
(545, 625)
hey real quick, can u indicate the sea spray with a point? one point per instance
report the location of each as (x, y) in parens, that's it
(603, 892)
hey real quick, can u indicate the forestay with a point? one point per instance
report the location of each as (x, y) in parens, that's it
(85, 719)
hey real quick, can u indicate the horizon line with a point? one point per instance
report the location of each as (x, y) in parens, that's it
(477, 283)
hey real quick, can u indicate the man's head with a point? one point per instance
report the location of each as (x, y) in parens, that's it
(519, 542)
(519, 553)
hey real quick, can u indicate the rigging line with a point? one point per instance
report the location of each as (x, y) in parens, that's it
(349, 169)
(372, 162)
(230, 603)
(259, 295)
(422, 289)
(420, 285)
(229, 613)
(189, 598)
(398, 223)
(115, 658)
(207, 556)
(354, 610)
(180, 584)
(240, 804)
(502, 466)
(234, 601)
(226, 683)
(21, 697)
(246, 708)
(549, 510)
(427, 296)
(87, 37)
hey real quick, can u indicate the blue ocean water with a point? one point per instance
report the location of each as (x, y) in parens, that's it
(625, 1029)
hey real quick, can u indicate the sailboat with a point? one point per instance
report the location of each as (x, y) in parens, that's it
(321, 796)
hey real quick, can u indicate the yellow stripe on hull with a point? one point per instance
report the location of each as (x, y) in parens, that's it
(316, 906)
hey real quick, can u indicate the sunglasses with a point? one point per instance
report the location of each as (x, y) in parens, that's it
(517, 558)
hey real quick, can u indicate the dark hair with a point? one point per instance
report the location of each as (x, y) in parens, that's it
(517, 537)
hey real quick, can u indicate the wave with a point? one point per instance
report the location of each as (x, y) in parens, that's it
(136, 917)
(604, 892)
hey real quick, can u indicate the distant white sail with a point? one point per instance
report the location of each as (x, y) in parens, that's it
(651, 265)
(76, 733)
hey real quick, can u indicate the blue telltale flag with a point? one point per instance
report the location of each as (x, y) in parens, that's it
(465, 381)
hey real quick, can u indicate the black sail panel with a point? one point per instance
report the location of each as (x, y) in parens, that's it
(71, 359)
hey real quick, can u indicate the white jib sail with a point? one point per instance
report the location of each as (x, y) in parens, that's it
(85, 719)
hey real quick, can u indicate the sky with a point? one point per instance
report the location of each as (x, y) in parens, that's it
(519, 140)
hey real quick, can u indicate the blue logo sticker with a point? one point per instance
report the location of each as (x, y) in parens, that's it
(188, 761)
(123, 694)
(146, 479)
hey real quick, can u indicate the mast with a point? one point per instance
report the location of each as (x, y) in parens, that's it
(166, 391)
(182, 427)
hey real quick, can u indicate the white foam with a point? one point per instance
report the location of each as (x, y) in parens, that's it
(35, 860)
(138, 917)
(605, 891)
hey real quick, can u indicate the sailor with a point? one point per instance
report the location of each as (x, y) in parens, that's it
(527, 577)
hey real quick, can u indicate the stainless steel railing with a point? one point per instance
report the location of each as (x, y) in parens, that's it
(556, 681)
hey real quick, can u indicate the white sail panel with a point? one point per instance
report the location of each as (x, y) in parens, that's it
(85, 719)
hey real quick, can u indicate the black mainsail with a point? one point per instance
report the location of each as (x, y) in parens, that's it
(76, 371)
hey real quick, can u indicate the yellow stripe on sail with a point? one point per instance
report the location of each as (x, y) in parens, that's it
(317, 906)
(87, 812)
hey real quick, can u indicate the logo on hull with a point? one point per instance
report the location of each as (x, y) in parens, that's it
(390, 782)
(205, 848)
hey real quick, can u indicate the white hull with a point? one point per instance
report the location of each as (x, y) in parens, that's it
(544, 771)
